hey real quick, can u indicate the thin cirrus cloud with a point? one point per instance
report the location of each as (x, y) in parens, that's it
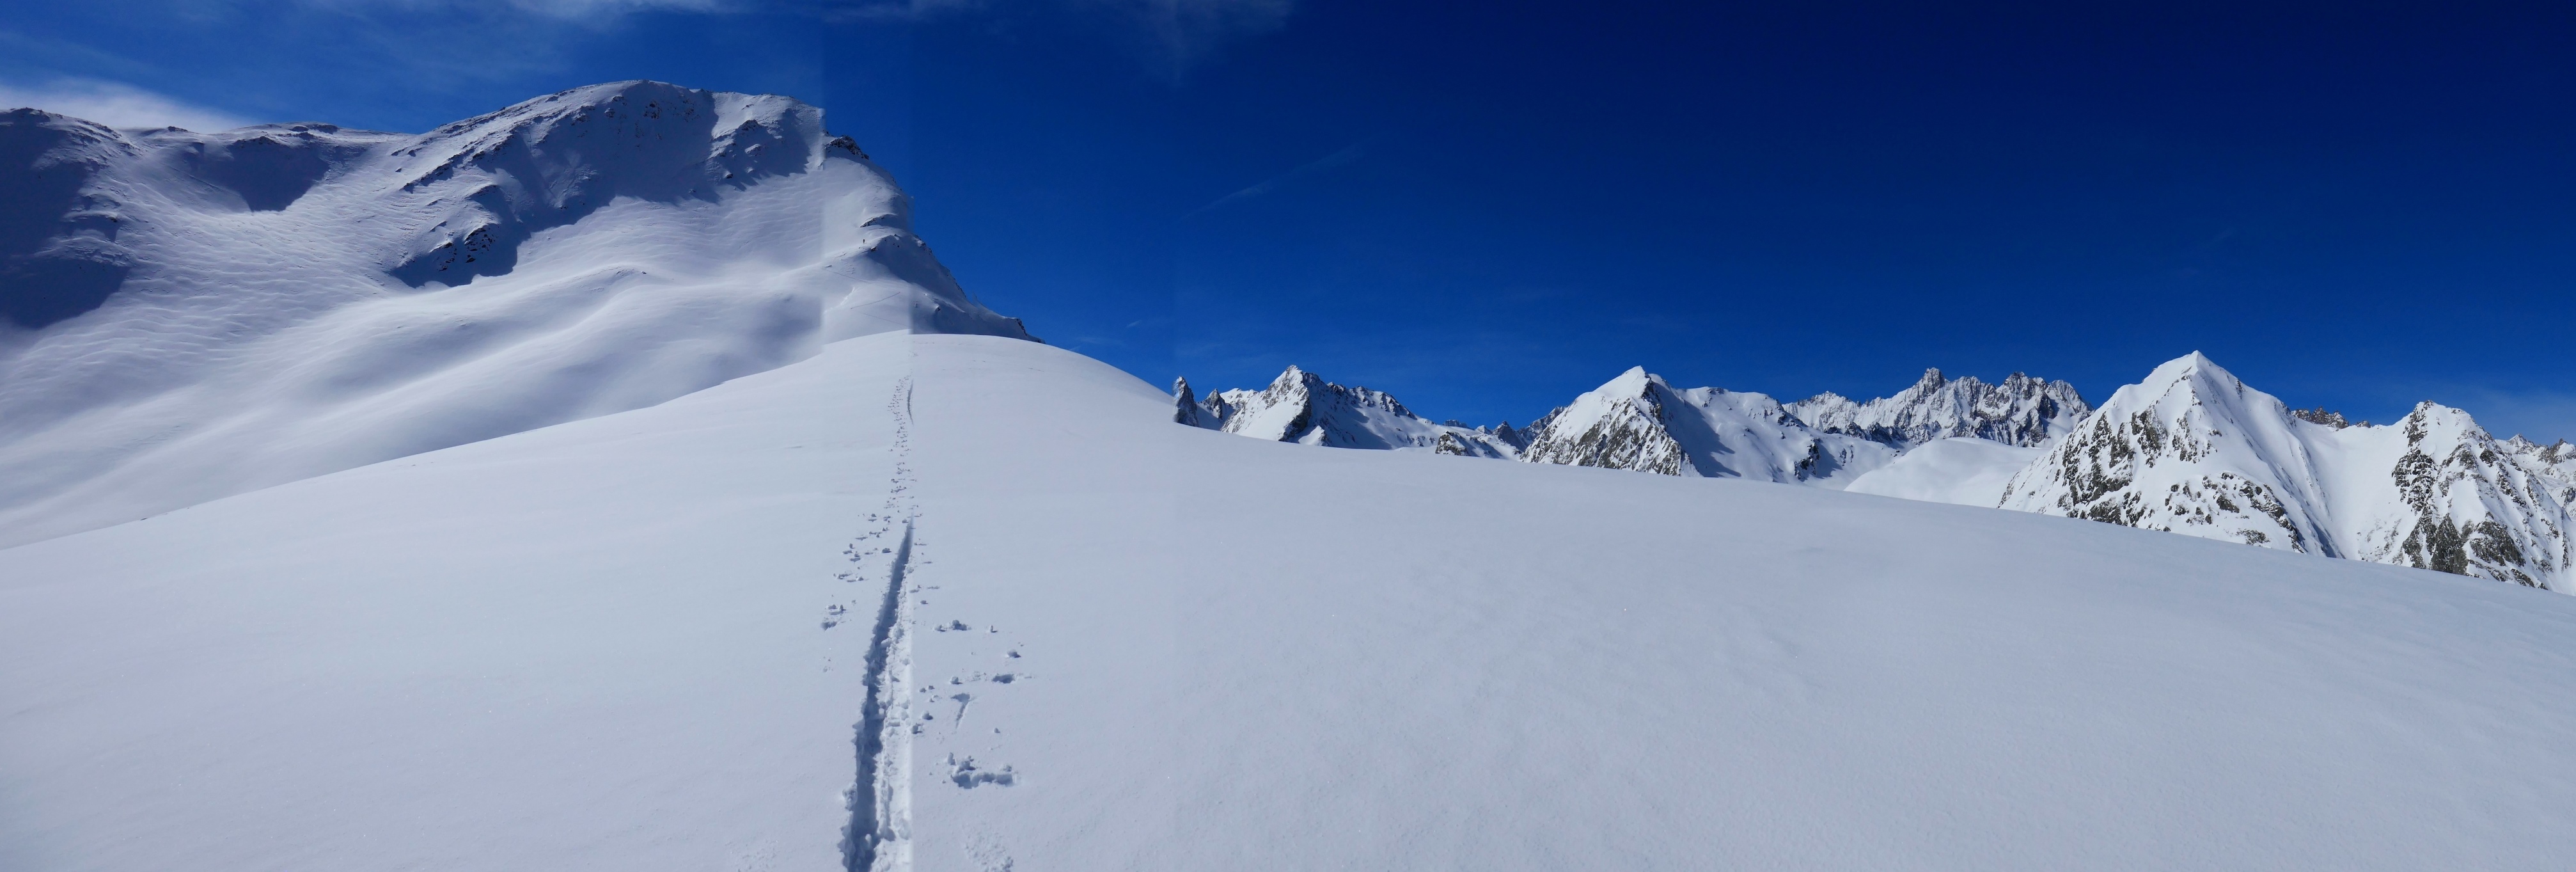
(1327, 163)
(115, 104)
(1180, 33)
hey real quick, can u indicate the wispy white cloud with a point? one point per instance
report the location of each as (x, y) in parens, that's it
(115, 104)
(1336, 160)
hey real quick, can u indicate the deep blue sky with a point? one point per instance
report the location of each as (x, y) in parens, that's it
(1487, 209)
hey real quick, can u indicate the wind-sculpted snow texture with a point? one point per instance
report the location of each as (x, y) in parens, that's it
(2022, 411)
(694, 637)
(2193, 450)
(1302, 407)
(188, 315)
(1638, 422)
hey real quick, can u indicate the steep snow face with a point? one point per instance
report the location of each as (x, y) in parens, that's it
(2022, 411)
(190, 315)
(2193, 450)
(1639, 422)
(1302, 407)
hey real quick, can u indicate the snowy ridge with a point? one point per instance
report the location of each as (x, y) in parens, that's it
(2022, 411)
(1639, 422)
(190, 315)
(2193, 450)
(2190, 450)
(1303, 408)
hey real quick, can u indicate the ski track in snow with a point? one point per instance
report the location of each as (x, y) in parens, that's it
(878, 836)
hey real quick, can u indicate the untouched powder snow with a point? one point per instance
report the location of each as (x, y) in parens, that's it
(1963, 470)
(850, 612)
(189, 315)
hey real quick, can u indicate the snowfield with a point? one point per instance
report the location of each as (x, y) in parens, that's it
(662, 639)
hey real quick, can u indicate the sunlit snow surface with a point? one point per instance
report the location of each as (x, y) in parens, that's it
(1961, 469)
(1123, 643)
(301, 299)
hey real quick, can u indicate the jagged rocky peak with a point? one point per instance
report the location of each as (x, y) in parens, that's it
(1620, 425)
(2469, 505)
(1302, 407)
(1185, 404)
(1640, 422)
(2193, 450)
(2190, 450)
(2022, 411)
(2558, 459)
(2321, 416)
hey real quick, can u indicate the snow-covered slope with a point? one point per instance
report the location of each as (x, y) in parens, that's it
(642, 642)
(1963, 470)
(1639, 422)
(190, 315)
(1302, 407)
(2193, 450)
(2022, 411)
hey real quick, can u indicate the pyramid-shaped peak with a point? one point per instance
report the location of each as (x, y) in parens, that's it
(2195, 366)
(1634, 382)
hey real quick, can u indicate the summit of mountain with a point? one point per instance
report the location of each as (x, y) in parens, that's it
(187, 315)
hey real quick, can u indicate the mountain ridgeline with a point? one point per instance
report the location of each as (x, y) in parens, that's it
(2191, 450)
(1638, 421)
(187, 315)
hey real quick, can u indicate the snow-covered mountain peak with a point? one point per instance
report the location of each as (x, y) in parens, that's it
(2190, 449)
(2193, 450)
(186, 315)
(1302, 407)
(1638, 421)
(2021, 411)
(1632, 383)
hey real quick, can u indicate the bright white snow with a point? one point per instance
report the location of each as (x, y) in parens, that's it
(750, 571)
(2193, 450)
(290, 300)
(1964, 470)
(603, 645)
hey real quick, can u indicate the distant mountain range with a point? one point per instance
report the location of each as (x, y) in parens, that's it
(2190, 450)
